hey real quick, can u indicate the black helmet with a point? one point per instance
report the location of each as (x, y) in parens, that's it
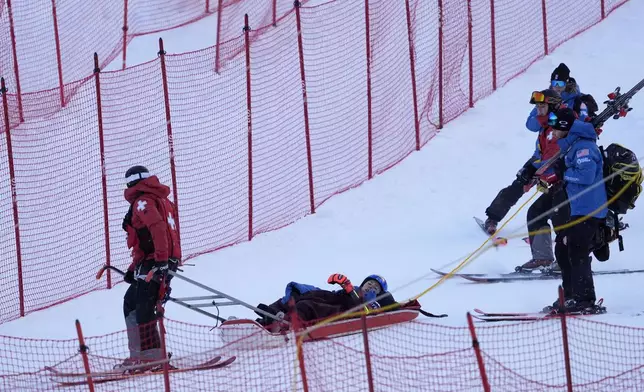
(563, 119)
(135, 174)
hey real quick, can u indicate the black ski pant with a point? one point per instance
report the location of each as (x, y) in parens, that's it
(572, 250)
(139, 308)
(510, 195)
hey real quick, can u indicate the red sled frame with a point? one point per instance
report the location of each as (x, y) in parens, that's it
(250, 334)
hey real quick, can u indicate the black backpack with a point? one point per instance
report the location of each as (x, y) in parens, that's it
(623, 181)
(623, 176)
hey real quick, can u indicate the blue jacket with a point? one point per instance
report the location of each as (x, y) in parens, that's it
(532, 123)
(298, 287)
(584, 167)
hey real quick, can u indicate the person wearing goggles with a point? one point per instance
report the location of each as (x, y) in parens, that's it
(567, 88)
(545, 102)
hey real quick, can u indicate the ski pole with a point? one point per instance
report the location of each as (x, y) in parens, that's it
(191, 307)
(233, 299)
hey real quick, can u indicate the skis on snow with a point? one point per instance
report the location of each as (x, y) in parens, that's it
(72, 379)
(519, 276)
(535, 316)
(491, 317)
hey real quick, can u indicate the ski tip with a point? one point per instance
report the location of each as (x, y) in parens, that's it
(226, 362)
(479, 311)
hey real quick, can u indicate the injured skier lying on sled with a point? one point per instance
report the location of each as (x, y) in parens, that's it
(313, 303)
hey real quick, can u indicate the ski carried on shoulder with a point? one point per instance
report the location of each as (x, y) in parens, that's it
(74, 379)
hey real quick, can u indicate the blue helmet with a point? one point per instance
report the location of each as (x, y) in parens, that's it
(381, 281)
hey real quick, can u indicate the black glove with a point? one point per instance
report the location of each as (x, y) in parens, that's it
(559, 167)
(161, 266)
(129, 277)
(525, 174)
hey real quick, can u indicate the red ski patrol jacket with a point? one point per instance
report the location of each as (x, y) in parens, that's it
(151, 223)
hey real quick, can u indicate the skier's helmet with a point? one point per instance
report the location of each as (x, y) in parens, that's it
(378, 279)
(562, 120)
(549, 96)
(135, 174)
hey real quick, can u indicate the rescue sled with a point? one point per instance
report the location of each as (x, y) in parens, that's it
(246, 333)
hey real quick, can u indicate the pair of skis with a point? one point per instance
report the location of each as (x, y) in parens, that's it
(535, 316)
(520, 276)
(74, 379)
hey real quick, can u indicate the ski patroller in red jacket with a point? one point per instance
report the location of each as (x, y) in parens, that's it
(151, 223)
(546, 145)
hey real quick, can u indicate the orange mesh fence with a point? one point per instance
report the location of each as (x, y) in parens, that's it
(590, 341)
(211, 146)
(483, 77)
(231, 181)
(392, 108)
(59, 208)
(279, 168)
(54, 40)
(526, 356)
(425, 36)
(335, 65)
(418, 356)
(516, 49)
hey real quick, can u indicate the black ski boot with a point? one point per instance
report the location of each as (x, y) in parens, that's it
(266, 309)
(490, 226)
(545, 266)
(572, 306)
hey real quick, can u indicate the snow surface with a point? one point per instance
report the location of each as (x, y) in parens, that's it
(417, 215)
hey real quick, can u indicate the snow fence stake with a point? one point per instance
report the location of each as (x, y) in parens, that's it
(564, 335)
(367, 352)
(477, 351)
(83, 350)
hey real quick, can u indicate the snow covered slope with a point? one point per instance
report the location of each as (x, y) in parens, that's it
(418, 215)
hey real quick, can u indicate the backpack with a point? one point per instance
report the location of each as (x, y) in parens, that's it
(623, 181)
(623, 176)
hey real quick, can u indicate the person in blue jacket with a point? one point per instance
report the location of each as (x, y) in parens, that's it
(584, 106)
(583, 193)
(562, 92)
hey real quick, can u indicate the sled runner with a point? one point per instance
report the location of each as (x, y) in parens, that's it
(251, 334)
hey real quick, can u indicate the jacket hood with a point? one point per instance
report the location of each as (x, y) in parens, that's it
(583, 129)
(579, 130)
(150, 185)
